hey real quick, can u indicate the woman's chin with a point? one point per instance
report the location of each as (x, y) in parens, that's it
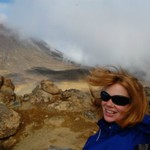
(109, 118)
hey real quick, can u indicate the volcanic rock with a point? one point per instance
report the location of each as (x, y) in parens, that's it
(10, 121)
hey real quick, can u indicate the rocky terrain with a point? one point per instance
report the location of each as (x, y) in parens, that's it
(46, 118)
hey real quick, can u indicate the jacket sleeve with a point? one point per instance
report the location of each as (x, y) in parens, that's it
(145, 125)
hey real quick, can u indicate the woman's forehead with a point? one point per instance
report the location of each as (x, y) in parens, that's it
(116, 89)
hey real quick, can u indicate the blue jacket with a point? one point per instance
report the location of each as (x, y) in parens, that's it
(112, 137)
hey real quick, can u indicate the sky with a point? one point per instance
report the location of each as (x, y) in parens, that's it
(5, 1)
(91, 32)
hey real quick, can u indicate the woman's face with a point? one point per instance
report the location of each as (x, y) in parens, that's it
(111, 111)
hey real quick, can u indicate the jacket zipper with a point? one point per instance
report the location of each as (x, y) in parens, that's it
(99, 134)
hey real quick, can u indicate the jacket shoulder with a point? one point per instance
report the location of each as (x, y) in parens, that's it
(144, 126)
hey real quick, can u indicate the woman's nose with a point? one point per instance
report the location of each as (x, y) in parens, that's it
(110, 103)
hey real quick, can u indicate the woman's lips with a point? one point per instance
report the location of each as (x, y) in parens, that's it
(109, 113)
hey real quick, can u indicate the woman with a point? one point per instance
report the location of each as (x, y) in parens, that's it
(123, 106)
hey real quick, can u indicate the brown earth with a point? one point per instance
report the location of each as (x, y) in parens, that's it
(41, 128)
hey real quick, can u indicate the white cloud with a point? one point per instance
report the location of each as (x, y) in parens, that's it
(3, 18)
(94, 31)
(75, 54)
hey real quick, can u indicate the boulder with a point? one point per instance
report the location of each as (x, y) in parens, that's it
(49, 87)
(7, 82)
(9, 121)
(46, 93)
(72, 100)
(7, 94)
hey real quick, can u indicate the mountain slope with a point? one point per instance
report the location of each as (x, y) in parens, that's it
(20, 58)
(21, 54)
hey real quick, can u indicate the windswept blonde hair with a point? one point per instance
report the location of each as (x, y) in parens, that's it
(104, 77)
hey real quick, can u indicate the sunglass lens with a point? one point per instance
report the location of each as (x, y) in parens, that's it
(105, 96)
(120, 100)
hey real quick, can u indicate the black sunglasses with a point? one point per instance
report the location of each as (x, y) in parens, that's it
(116, 99)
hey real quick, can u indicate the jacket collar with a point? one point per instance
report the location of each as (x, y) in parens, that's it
(113, 128)
(108, 128)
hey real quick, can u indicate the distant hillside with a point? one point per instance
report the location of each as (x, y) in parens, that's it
(17, 54)
(20, 56)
